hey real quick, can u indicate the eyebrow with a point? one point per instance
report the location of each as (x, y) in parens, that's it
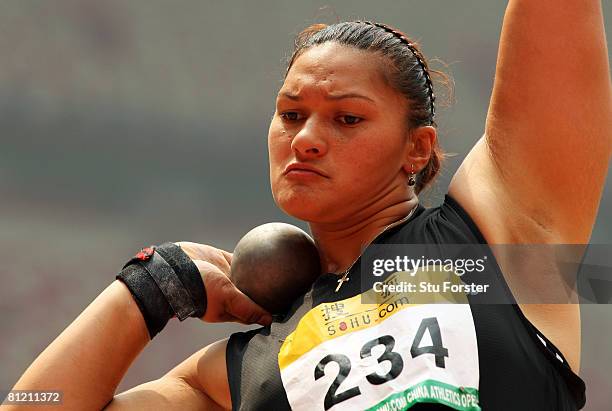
(296, 97)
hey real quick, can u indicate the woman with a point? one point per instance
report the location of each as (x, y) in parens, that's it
(352, 143)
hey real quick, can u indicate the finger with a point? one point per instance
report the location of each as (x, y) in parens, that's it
(206, 268)
(228, 256)
(223, 260)
(244, 309)
(219, 267)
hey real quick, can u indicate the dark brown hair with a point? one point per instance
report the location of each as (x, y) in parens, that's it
(409, 73)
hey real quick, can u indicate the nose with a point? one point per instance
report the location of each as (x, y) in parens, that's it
(310, 141)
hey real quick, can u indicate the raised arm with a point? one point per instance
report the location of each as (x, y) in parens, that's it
(548, 134)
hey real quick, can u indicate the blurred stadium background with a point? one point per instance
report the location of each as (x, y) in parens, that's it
(129, 123)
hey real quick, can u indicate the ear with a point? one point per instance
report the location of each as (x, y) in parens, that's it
(421, 141)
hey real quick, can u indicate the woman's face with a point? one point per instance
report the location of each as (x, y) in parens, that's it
(338, 139)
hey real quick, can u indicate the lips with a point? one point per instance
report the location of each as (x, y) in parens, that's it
(303, 167)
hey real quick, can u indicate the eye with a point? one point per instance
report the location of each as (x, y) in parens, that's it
(290, 116)
(349, 120)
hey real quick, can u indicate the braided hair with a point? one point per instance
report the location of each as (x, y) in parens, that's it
(417, 54)
(411, 75)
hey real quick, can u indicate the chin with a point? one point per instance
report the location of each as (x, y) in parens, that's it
(304, 204)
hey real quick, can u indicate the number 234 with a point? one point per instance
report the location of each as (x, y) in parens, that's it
(397, 363)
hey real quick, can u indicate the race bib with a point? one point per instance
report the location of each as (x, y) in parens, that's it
(388, 355)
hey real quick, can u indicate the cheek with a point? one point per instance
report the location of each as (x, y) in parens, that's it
(279, 150)
(370, 163)
(274, 139)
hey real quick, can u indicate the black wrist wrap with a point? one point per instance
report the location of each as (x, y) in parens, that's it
(164, 282)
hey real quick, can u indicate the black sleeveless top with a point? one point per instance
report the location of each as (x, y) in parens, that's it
(329, 352)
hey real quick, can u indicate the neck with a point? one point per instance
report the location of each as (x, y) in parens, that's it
(340, 244)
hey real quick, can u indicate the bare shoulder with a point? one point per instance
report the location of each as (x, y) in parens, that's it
(206, 370)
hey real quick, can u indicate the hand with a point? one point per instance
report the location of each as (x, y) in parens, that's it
(225, 301)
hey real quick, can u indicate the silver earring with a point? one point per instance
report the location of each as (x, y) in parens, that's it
(412, 179)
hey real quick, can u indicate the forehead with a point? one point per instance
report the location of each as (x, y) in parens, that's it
(331, 68)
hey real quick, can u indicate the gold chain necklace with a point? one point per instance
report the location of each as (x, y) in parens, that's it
(345, 273)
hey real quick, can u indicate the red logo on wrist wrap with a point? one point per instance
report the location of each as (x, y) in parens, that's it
(145, 254)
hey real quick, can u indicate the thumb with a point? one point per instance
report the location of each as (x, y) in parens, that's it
(246, 310)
